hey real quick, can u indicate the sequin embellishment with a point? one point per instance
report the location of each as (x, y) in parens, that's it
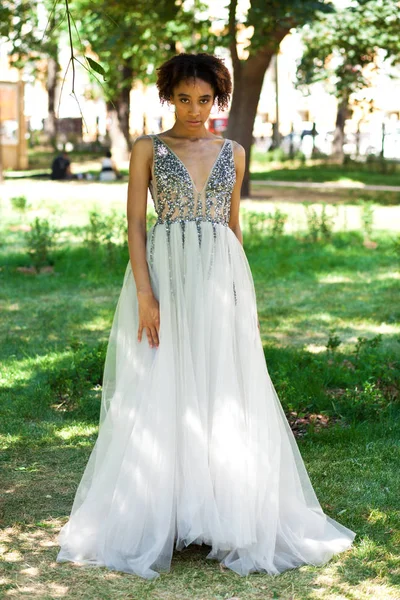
(176, 200)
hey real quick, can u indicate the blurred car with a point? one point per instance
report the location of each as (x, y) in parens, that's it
(217, 124)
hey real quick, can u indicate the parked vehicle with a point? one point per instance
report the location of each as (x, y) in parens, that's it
(217, 124)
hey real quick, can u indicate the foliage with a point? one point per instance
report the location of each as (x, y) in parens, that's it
(319, 226)
(337, 47)
(107, 231)
(21, 27)
(19, 203)
(125, 41)
(269, 17)
(41, 241)
(367, 218)
(259, 223)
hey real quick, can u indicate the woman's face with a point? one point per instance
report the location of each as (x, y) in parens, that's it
(193, 100)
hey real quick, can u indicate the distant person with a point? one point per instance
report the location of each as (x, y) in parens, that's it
(109, 170)
(61, 167)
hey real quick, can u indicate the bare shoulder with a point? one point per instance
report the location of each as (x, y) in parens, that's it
(142, 150)
(238, 149)
(143, 144)
(239, 155)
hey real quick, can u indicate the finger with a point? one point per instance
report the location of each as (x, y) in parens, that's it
(155, 336)
(149, 337)
(140, 330)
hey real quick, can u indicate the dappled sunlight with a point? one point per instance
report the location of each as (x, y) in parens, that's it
(361, 277)
(311, 331)
(377, 516)
(314, 348)
(32, 572)
(99, 323)
(11, 307)
(370, 589)
(388, 275)
(19, 369)
(334, 278)
(7, 440)
(383, 328)
(70, 432)
(35, 590)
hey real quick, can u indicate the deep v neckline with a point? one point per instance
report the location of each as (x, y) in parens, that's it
(187, 170)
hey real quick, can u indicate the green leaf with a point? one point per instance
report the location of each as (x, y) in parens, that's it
(96, 67)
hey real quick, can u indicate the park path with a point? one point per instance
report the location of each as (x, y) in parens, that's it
(337, 185)
(54, 189)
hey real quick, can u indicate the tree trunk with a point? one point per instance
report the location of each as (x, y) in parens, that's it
(51, 85)
(51, 121)
(118, 117)
(248, 77)
(338, 138)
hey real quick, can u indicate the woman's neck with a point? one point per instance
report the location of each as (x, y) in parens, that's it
(180, 131)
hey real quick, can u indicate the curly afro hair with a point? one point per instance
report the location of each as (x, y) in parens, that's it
(205, 66)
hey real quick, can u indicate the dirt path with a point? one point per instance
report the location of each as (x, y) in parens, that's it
(333, 185)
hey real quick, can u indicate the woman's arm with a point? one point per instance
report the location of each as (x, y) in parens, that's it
(234, 223)
(139, 176)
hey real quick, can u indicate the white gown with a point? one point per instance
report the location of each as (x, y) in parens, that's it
(194, 446)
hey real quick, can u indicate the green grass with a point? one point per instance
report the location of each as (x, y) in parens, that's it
(53, 334)
(321, 171)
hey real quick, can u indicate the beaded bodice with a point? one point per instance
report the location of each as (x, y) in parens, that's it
(174, 194)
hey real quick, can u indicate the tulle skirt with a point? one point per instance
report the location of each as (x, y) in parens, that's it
(193, 445)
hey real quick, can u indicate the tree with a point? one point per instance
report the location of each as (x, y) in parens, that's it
(125, 38)
(130, 39)
(119, 42)
(338, 48)
(268, 22)
(19, 25)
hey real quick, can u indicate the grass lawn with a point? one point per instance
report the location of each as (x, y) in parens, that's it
(321, 171)
(53, 330)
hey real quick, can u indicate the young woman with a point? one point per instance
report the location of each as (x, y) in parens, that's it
(193, 446)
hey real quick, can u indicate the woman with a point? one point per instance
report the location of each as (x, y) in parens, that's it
(193, 446)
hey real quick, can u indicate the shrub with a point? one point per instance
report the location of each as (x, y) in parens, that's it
(19, 203)
(41, 241)
(319, 227)
(367, 218)
(259, 224)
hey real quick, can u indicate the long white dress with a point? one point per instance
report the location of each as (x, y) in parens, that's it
(194, 446)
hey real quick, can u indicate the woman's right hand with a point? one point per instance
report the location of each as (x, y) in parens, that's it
(149, 318)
